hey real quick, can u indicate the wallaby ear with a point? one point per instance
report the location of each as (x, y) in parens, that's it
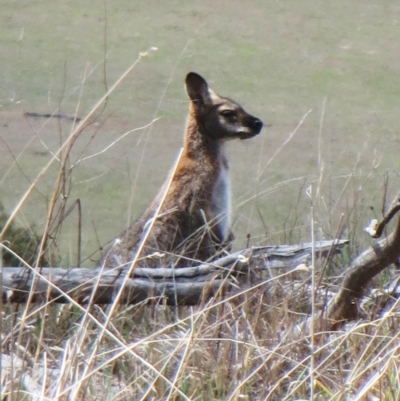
(197, 89)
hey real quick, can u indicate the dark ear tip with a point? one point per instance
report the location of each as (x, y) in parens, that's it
(197, 88)
(193, 76)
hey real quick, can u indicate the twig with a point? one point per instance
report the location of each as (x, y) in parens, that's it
(387, 218)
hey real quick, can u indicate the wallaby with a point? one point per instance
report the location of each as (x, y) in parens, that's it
(193, 222)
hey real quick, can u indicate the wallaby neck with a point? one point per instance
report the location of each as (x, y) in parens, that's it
(198, 143)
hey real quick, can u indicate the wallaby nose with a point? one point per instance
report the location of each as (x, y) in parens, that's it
(257, 124)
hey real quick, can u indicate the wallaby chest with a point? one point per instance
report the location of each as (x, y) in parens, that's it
(221, 200)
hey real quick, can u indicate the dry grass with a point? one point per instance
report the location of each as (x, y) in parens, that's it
(252, 345)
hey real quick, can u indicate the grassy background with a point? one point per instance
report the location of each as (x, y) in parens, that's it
(279, 59)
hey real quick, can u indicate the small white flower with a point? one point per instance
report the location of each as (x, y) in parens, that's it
(243, 259)
(371, 229)
(145, 54)
(303, 267)
(156, 255)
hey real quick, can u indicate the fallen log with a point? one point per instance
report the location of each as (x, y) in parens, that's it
(183, 286)
(191, 285)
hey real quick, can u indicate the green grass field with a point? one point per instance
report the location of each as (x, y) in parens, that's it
(334, 66)
(279, 59)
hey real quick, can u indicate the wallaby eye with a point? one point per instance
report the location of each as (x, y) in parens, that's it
(228, 113)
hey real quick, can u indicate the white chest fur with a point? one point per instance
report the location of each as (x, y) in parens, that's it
(221, 201)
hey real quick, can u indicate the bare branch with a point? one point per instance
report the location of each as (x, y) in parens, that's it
(387, 218)
(344, 307)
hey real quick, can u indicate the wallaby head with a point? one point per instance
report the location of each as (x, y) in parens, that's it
(219, 118)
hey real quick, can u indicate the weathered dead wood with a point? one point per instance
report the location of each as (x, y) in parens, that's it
(183, 286)
(345, 306)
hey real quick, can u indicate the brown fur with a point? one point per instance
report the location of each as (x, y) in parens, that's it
(187, 228)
